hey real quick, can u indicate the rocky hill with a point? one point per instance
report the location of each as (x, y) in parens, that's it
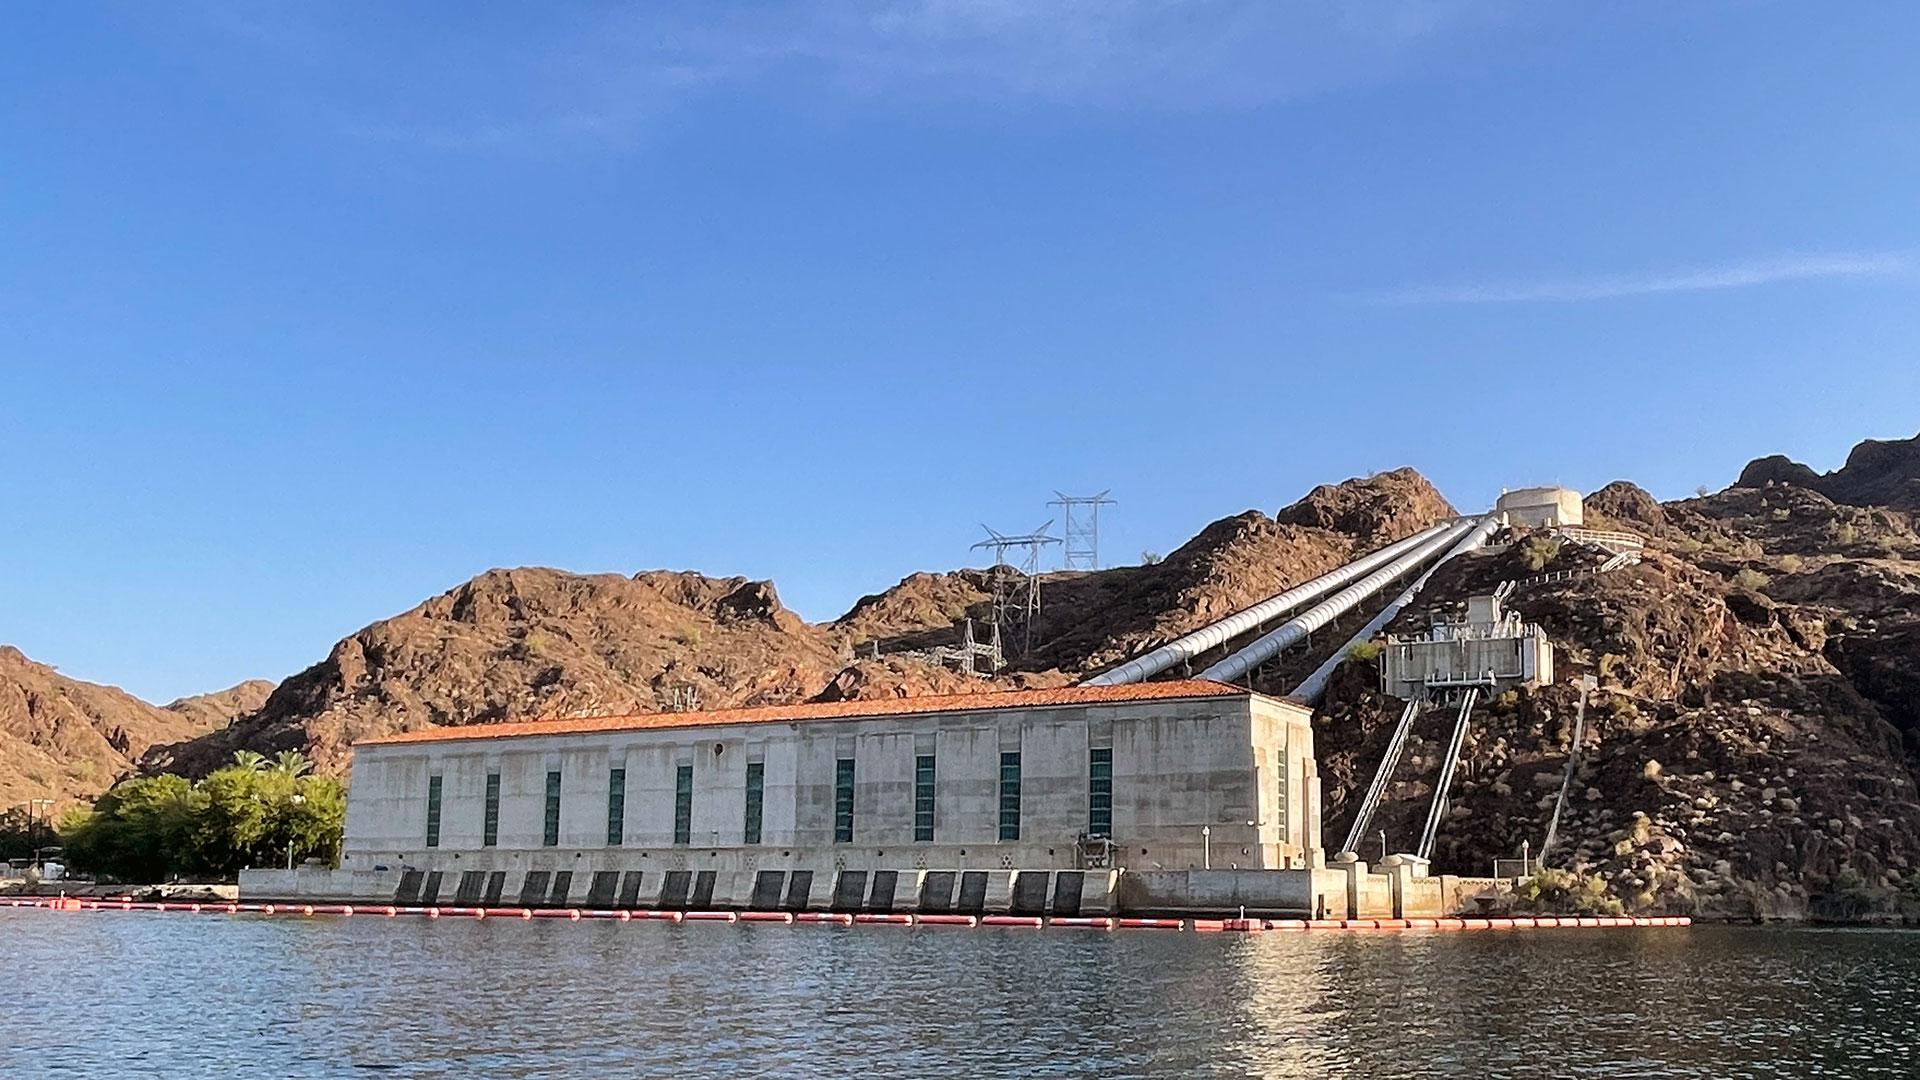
(1752, 748)
(67, 740)
(530, 643)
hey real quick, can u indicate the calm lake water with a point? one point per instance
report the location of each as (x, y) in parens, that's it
(148, 994)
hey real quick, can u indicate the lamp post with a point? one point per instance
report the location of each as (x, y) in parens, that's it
(297, 800)
(1206, 847)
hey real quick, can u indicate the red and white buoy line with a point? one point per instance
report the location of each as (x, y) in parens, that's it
(1535, 922)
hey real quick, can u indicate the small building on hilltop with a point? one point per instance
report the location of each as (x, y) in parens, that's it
(1028, 801)
(1543, 507)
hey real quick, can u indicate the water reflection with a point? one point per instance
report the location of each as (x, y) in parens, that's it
(93, 994)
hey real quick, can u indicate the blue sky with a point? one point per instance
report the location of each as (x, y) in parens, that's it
(308, 312)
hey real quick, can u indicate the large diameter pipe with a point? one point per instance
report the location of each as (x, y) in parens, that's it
(1314, 686)
(1298, 627)
(1188, 646)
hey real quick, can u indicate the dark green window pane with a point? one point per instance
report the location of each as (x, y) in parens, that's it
(490, 826)
(616, 806)
(1100, 793)
(433, 811)
(1010, 795)
(923, 797)
(550, 834)
(683, 805)
(756, 798)
(843, 801)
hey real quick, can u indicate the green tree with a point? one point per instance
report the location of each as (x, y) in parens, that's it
(247, 814)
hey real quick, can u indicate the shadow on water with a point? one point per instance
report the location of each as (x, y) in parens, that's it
(185, 996)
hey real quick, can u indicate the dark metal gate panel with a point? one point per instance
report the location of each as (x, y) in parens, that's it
(1067, 887)
(936, 892)
(630, 888)
(467, 893)
(600, 892)
(533, 890)
(849, 889)
(408, 894)
(973, 892)
(799, 890)
(562, 885)
(702, 897)
(673, 890)
(766, 889)
(1030, 893)
(884, 884)
(430, 891)
(496, 884)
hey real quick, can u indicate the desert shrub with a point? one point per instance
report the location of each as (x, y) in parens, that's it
(1791, 564)
(688, 636)
(1148, 558)
(1565, 892)
(1750, 579)
(1364, 652)
(1538, 551)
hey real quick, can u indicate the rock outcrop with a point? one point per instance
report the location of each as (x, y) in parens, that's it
(1879, 472)
(67, 740)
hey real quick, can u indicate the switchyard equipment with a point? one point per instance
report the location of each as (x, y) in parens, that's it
(1490, 646)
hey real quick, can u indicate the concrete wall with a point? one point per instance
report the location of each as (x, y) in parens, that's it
(1239, 767)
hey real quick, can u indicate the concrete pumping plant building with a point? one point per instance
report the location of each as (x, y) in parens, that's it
(1025, 801)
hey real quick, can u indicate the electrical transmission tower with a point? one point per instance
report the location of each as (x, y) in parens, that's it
(1081, 551)
(1016, 589)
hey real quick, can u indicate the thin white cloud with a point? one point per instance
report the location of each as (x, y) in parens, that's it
(605, 73)
(1734, 275)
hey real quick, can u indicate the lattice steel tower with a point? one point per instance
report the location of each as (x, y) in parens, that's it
(1081, 549)
(1012, 603)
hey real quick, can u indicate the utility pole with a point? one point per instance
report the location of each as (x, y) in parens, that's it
(45, 807)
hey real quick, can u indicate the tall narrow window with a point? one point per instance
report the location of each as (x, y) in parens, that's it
(756, 800)
(490, 825)
(433, 811)
(923, 797)
(683, 805)
(550, 834)
(1100, 792)
(843, 801)
(616, 806)
(1010, 795)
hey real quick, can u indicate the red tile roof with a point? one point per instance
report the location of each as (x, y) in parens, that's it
(1191, 689)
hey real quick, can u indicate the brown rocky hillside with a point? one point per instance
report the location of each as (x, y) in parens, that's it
(68, 740)
(1752, 749)
(529, 643)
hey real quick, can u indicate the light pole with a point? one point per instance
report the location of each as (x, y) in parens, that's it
(1206, 847)
(297, 800)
